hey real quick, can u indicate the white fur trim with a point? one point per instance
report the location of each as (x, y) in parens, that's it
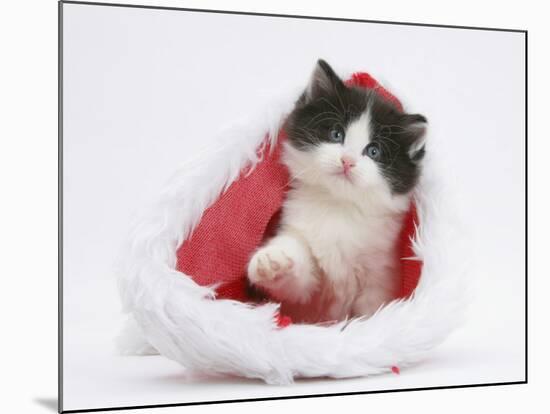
(184, 322)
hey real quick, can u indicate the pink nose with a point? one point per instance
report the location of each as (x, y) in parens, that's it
(348, 163)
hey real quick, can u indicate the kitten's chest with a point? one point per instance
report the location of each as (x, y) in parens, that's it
(344, 239)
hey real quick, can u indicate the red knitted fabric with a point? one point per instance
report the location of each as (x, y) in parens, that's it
(236, 224)
(410, 267)
(366, 81)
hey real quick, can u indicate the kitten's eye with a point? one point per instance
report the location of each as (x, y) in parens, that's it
(373, 151)
(337, 135)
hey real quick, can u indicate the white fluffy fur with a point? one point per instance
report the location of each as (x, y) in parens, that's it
(184, 322)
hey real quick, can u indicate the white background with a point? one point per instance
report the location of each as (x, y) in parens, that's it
(31, 157)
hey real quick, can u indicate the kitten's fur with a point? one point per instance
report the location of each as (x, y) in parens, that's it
(354, 159)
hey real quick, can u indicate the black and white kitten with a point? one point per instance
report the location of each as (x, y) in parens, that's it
(354, 160)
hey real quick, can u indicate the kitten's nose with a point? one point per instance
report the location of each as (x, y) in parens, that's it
(348, 163)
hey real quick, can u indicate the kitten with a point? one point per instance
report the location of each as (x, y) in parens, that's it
(354, 160)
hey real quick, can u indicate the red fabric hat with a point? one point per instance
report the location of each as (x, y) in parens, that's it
(218, 251)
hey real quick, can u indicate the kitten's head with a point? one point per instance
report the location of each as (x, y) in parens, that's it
(350, 140)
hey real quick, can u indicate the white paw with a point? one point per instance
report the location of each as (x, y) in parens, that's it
(269, 265)
(283, 269)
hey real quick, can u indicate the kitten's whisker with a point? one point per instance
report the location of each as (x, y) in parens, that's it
(390, 140)
(315, 120)
(307, 134)
(330, 103)
(340, 100)
(328, 118)
(323, 113)
(294, 177)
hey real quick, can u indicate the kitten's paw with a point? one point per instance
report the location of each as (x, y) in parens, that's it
(269, 265)
(283, 269)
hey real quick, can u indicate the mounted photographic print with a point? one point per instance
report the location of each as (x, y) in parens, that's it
(261, 206)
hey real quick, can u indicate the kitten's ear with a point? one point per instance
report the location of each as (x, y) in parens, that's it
(323, 80)
(416, 126)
